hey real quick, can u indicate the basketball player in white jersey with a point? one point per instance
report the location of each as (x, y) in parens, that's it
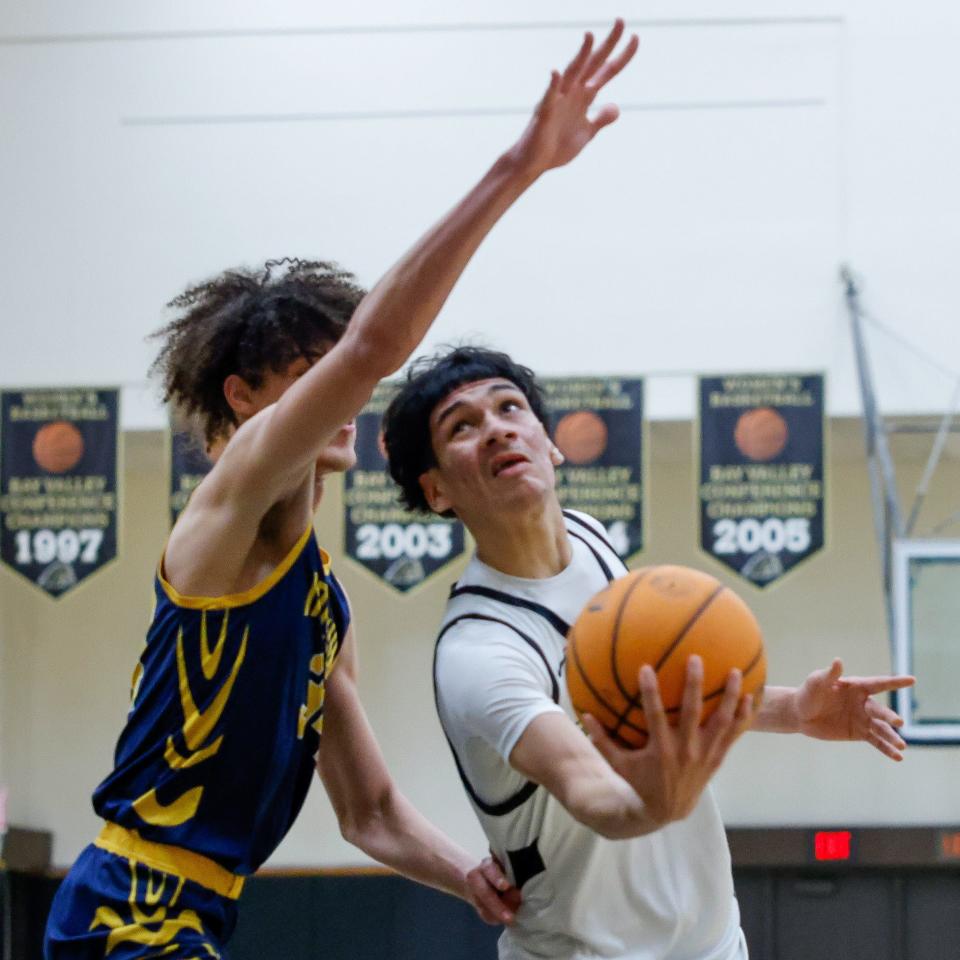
(619, 853)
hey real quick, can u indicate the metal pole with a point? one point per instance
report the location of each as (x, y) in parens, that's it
(936, 453)
(886, 507)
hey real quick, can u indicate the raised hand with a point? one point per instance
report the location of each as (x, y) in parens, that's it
(672, 770)
(833, 707)
(560, 127)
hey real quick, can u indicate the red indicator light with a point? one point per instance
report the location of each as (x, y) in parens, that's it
(832, 845)
(950, 845)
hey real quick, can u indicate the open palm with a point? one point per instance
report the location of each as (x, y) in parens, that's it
(833, 707)
(560, 127)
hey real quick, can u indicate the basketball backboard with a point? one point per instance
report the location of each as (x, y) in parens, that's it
(926, 637)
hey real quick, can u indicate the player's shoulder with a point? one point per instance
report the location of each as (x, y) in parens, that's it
(476, 613)
(471, 643)
(464, 634)
(465, 659)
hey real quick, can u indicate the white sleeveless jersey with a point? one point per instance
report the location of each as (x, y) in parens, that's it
(499, 663)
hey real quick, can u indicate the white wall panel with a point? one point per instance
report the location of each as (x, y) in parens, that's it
(43, 19)
(688, 238)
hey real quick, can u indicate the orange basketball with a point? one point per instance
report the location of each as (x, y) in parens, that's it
(58, 446)
(581, 436)
(661, 616)
(761, 433)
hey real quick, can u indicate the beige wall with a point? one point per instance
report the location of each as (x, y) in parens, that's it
(66, 667)
(67, 664)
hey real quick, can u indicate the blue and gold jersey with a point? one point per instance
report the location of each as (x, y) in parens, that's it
(219, 747)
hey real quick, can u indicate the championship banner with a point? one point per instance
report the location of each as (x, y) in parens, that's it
(398, 547)
(58, 483)
(598, 426)
(188, 466)
(761, 476)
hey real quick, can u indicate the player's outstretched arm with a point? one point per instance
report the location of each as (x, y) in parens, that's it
(829, 706)
(394, 316)
(374, 815)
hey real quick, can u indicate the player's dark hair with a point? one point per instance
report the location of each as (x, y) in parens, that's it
(406, 424)
(248, 322)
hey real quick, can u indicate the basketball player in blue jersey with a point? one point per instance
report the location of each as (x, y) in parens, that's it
(619, 853)
(250, 656)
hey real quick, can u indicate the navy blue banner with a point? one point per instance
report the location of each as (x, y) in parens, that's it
(761, 474)
(401, 549)
(58, 483)
(189, 464)
(597, 422)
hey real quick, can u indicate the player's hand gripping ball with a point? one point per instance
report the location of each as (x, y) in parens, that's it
(661, 616)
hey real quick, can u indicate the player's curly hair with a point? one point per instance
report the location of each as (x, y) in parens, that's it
(248, 322)
(406, 424)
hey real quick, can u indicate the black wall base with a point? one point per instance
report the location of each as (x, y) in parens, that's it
(787, 914)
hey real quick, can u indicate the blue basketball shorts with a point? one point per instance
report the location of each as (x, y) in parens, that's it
(130, 899)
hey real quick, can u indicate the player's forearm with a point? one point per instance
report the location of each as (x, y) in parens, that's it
(552, 752)
(610, 808)
(777, 712)
(397, 835)
(395, 315)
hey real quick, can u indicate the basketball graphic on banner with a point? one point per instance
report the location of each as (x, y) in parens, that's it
(581, 436)
(58, 446)
(761, 433)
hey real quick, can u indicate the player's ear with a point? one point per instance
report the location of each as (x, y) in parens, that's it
(432, 489)
(556, 457)
(239, 395)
